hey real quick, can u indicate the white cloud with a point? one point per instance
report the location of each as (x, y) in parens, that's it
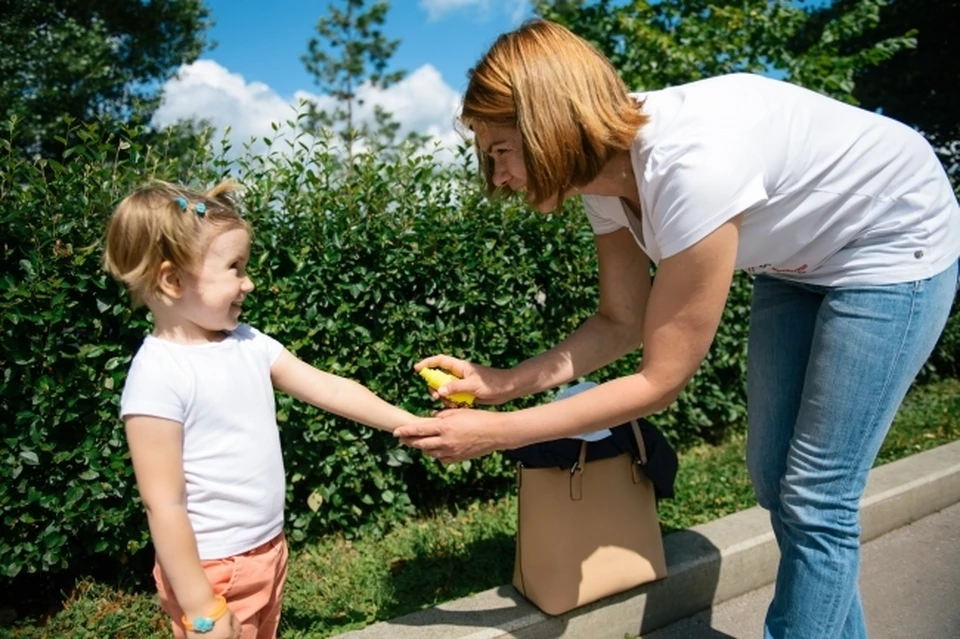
(437, 9)
(421, 102)
(205, 90)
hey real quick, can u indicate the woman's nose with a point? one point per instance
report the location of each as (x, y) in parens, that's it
(500, 175)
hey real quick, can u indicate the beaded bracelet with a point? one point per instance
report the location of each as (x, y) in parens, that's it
(205, 624)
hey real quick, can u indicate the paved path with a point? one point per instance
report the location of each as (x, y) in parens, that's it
(909, 581)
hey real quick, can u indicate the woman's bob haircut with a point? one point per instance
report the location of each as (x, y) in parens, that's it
(571, 108)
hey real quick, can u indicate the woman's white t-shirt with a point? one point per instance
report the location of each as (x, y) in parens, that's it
(223, 395)
(830, 193)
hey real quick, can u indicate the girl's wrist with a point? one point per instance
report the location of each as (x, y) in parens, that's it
(198, 604)
(204, 622)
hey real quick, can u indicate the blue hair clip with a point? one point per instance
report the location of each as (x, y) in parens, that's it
(200, 209)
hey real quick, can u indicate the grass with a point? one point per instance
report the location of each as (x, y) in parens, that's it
(336, 584)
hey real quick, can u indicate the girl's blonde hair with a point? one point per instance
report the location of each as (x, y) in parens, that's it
(566, 99)
(163, 222)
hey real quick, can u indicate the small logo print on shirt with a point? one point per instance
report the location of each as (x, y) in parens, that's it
(765, 268)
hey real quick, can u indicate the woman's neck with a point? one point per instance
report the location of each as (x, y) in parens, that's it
(616, 179)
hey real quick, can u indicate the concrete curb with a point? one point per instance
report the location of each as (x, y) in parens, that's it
(706, 565)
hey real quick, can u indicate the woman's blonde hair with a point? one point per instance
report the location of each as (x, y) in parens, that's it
(566, 99)
(163, 222)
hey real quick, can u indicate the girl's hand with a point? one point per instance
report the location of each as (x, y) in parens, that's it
(487, 385)
(226, 627)
(457, 435)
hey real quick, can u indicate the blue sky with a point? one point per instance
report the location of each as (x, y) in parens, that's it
(263, 41)
(254, 77)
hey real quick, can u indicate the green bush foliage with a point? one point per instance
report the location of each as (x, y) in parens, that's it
(360, 271)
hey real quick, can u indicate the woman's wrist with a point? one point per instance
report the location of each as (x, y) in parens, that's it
(506, 435)
(528, 378)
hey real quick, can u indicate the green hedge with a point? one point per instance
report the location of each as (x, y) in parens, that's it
(359, 272)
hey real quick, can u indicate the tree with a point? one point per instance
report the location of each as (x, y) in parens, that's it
(919, 86)
(68, 60)
(350, 50)
(657, 44)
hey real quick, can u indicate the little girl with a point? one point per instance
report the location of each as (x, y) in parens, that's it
(198, 407)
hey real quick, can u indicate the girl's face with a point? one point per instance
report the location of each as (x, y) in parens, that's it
(504, 147)
(214, 293)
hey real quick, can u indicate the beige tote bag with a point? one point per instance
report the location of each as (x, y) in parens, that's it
(587, 532)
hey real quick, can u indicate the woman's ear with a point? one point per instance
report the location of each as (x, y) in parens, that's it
(170, 281)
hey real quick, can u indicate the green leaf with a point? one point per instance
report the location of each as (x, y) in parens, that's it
(29, 457)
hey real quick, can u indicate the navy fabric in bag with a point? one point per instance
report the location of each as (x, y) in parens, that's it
(660, 465)
(660, 468)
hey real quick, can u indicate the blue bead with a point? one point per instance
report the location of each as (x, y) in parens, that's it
(202, 624)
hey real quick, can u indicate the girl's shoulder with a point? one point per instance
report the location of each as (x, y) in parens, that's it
(250, 337)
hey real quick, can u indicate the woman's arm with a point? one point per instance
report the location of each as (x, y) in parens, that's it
(336, 394)
(683, 311)
(613, 331)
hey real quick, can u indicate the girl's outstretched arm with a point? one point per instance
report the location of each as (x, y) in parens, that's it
(337, 395)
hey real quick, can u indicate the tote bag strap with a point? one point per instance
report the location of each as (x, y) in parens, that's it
(576, 474)
(641, 458)
(641, 448)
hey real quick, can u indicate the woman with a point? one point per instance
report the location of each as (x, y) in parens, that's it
(846, 217)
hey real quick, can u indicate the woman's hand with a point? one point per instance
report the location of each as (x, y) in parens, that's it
(487, 385)
(226, 627)
(457, 435)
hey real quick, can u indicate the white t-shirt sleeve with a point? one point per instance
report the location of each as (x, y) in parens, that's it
(599, 215)
(269, 346)
(155, 387)
(692, 189)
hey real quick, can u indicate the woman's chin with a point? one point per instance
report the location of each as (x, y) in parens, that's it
(544, 206)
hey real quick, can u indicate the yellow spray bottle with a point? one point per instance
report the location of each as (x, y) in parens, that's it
(437, 377)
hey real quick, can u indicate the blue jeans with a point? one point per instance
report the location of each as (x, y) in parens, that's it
(827, 370)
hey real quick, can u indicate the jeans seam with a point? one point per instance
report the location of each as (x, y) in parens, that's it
(896, 360)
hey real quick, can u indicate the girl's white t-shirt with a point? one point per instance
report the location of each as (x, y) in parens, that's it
(830, 194)
(223, 395)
